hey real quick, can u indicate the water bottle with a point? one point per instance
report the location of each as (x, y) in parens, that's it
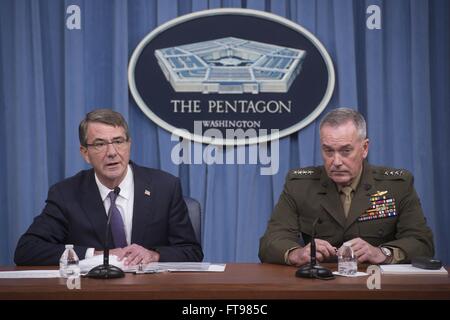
(69, 263)
(347, 262)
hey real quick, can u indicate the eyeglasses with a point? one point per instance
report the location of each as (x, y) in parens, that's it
(102, 145)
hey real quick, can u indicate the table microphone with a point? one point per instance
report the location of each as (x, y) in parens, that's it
(313, 270)
(106, 270)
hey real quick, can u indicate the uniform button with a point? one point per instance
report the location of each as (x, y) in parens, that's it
(380, 232)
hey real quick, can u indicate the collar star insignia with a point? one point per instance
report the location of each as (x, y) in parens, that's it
(303, 172)
(393, 172)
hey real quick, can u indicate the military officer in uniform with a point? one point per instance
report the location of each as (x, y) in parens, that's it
(375, 209)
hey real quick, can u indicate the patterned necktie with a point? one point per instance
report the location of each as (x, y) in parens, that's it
(347, 201)
(117, 226)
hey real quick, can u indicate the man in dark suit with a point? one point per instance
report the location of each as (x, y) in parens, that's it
(375, 209)
(149, 219)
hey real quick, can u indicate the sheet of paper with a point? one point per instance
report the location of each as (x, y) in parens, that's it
(408, 269)
(358, 274)
(27, 274)
(217, 268)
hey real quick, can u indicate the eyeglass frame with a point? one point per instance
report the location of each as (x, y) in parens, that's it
(116, 142)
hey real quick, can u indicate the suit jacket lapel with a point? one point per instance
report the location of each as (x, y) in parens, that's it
(143, 203)
(93, 207)
(360, 201)
(330, 201)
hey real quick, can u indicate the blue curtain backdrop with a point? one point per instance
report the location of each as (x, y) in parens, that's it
(398, 77)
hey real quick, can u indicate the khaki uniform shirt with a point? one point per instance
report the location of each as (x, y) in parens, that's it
(385, 211)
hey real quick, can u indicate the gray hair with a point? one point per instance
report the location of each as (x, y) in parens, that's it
(341, 116)
(106, 116)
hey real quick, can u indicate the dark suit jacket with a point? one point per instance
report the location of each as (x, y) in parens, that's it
(74, 214)
(310, 194)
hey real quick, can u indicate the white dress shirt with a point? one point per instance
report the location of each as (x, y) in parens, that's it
(124, 203)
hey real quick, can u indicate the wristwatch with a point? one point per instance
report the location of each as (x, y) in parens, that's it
(388, 254)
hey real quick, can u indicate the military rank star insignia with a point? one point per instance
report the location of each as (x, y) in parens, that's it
(303, 172)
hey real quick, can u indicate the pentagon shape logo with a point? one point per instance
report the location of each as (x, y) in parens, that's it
(231, 69)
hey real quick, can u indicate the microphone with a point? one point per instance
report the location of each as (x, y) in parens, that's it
(106, 270)
(313, 270)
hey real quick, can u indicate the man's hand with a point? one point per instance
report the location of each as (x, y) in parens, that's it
(135, 254)
(365, 252)
(301, 256)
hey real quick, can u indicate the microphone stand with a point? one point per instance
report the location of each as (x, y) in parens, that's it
(313, 270)
(106, 270)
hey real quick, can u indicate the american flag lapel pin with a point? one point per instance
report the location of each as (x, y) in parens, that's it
(147, 193)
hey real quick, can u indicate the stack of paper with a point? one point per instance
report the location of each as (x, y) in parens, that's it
(409, 269)
(154, 267)
(88, 264)
(29, 274)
